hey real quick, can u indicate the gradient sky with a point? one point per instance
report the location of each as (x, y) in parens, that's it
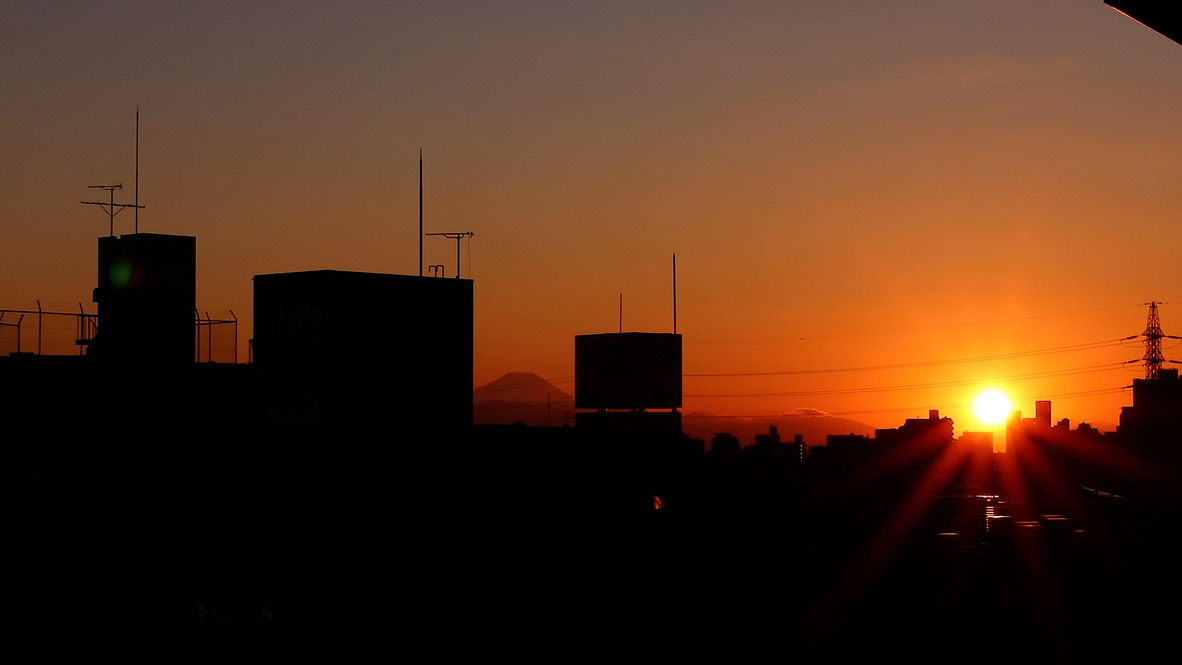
(845, 184)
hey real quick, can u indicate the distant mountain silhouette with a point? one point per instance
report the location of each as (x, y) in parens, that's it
(527, 398)
(521, 397)
(520, 387)
(812, 424)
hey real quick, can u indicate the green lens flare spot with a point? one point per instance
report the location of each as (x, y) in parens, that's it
(120, 273)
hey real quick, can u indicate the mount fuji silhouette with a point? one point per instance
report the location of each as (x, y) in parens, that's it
(521, 397)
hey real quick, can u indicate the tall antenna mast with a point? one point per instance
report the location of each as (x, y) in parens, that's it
(456, 236)
(675, 293)
(137, 169)
(111, 208)
(1153, 357)
(421, 218)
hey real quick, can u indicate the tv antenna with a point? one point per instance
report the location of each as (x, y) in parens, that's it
(111, 208)
(456, 236)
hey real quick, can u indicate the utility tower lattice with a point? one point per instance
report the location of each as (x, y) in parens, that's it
(1153, 357)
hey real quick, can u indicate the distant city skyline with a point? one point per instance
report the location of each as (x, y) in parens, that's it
(845, 185)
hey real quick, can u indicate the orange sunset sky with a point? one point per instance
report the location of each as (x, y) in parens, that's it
(845, 184)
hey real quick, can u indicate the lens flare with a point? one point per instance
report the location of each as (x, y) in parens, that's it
(120, 273)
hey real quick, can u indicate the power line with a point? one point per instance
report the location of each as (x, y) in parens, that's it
(110, 207)
(903, 365)
(942, 407)
(928, 363)
(916, 386)
(920, 328)
(914, 409)
(527, 384)
(923, 363)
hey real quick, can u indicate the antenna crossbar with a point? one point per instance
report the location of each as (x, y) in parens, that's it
(456, 236)
(110, 207)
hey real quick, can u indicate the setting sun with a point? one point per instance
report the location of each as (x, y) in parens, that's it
(991, 407)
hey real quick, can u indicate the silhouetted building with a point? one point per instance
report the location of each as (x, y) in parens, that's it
(724, 444)
(1037, 451)
(769, 443)
(845, 451)
(146, 298)
(1042, 413)
(977, 442)
(635, 371)
(150, 515)
(365, 390)
(1023, 431)
(352, 352)
(913, 447)
(1151, 429)
(977, 470)
(1157, 404)
(928, 432)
